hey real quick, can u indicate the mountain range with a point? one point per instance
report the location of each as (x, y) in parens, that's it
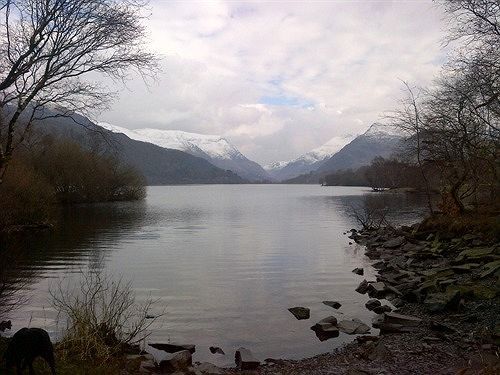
(178, 157)
(308, 162)
(159, 165)
(213, 148)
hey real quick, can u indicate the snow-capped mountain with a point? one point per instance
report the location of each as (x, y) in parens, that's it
(308, 162)
(215, 149)
(379, 140)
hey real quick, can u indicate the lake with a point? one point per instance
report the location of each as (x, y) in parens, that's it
(225, 262)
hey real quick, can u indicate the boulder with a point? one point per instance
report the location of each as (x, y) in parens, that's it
(326, 328)
(179, 361)
(216, 350)
(405, 320)
(358, 271)
(352, 327)
(394, 242)
(372, 303)
(245, 359)
(362, 287)
(300, 313)
(334, 304)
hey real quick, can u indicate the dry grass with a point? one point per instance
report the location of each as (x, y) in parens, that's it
(102, 316)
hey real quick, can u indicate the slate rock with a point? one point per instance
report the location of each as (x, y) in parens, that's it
(352, 327)
(300, 313)
(372, 303)
(362, 287)
(245, 359)
(382, 309)
(405, 320)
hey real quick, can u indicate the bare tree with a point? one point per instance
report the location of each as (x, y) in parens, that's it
(48, 48)
(408, 118)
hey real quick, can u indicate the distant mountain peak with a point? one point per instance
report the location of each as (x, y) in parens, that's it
(382, 130)
(309, 161)
(213, 148)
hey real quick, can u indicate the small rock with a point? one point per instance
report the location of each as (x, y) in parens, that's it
(405, 320)
(372, 303)
(362, 287)
(334, 304)
(382, 309)
(352, 327)
(216, 350)
(245, 359)
(300, 313)
(326, 328)
(358, 271)
(377, 289)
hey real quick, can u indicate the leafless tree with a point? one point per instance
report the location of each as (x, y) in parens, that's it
(408, 118)
(370, 213)
(48, 51)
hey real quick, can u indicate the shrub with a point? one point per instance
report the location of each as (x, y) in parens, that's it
(25, 196)
(102, 317)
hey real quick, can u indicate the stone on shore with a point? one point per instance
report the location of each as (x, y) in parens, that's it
(405, 320)
(372, 303)
(178, 361)
(245, 359)
(377, 289)
(300, 313)
(382, 309)
(352, 327)
(334, 304)
(362, 287)
(326, 328)
(358, 271)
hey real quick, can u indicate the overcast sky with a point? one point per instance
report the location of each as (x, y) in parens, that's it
(280, 78)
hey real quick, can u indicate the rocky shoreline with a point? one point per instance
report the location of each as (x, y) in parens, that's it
(445, 290)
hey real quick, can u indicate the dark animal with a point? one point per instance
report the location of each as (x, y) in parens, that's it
(25, 346)
(5, 324)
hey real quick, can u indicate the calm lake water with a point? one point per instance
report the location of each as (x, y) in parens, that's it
(224, 261)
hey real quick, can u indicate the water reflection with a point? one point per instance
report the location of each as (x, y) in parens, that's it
(226, 261)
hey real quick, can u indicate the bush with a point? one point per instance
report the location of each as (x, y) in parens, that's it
(83, 176)
(102, 317)
(25, 196)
